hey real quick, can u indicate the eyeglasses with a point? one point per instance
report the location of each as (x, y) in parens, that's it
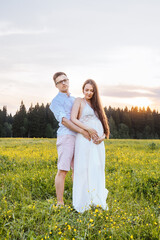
(64, 80)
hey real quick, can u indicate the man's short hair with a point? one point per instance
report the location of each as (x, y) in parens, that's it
(57, 74)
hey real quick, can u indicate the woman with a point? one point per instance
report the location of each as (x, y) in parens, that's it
(89, 159)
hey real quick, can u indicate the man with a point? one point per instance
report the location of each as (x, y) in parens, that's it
(61, 106)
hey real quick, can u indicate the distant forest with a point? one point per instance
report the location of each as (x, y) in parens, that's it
(39, 121)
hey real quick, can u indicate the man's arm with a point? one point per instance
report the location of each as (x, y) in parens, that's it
(67, 123)
(75, 120)
(58, 110)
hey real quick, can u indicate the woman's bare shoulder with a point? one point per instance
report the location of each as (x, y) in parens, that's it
(78, 100)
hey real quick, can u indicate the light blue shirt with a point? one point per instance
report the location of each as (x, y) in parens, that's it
(61, 106)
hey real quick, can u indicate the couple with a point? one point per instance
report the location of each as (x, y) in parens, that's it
(82, 128)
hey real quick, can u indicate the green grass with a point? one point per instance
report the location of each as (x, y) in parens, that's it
(28, 200)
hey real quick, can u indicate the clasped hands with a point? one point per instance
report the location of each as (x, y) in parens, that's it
(91, 133)
(94, 136)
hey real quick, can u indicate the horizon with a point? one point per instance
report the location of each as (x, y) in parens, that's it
(45, 104)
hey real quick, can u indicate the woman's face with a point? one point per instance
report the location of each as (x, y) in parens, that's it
(88, 91)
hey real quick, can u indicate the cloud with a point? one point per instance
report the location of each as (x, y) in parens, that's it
(124, 91)
(8, 28)
(131, 95)
(22, 32)
(15, 31)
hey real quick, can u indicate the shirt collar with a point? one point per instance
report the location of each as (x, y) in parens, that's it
(64, 94)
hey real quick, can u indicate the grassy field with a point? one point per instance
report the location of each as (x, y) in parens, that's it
(28, 200)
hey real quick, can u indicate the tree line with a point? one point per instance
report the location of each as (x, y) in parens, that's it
(39, 121)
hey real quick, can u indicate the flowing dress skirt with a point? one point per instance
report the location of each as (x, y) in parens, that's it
(89, 170)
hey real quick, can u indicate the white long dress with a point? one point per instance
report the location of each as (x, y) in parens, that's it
(89, 167)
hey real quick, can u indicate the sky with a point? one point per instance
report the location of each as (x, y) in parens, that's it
(116, 43)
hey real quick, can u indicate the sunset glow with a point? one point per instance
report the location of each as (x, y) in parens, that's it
(140, 102)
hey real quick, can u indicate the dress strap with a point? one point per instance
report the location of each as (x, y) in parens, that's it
(85, 100)
(87, 103)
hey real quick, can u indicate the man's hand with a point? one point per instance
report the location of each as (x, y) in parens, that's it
(86, 135)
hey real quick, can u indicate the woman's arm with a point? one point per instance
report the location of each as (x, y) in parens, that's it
(69, 124)
(74, 117)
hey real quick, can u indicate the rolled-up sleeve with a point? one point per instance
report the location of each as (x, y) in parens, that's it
(58, 110)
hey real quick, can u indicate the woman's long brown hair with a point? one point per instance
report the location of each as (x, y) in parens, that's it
(97, 106)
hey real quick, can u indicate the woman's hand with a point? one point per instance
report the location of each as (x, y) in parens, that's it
(93, 133)
(99, 140)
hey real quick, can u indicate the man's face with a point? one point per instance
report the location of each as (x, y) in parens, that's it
(62, 83)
